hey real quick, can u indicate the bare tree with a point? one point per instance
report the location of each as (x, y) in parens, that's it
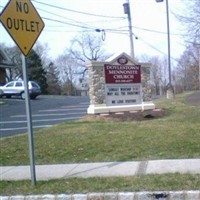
(87, 47)
(84, 47)
(191, 19)
(158, 73)
(67, 70)
(188, 69)
(14, 55)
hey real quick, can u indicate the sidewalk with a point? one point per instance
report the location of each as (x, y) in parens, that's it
(104, 169)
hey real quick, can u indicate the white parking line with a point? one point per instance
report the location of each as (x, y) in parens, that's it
(12, 122)
(62, 113)
(42, 120)
(62, 110)
(49, 114)
(79, 106)
(24, 128)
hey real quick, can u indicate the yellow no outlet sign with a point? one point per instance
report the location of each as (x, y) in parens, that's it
(23, 23)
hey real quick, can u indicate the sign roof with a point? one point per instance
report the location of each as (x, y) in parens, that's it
(23, 23)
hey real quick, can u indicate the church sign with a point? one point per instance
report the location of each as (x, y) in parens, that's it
(119, 84)
(122, 73)
(122, 82)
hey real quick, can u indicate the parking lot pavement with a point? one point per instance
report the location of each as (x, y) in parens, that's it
(46, 111)
(193, 99)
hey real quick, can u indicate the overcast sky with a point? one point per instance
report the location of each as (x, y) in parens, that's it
(66, 18)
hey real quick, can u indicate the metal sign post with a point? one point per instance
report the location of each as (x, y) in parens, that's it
(29, 122)
(24, 24)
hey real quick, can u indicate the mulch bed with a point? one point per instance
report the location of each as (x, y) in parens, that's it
(126, 116)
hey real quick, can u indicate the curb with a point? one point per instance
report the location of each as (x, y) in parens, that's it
(165, 195)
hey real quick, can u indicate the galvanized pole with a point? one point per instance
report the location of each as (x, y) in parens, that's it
(127, 11)
(168, 42)
(199, 68)
(29, 123)
(170, 90)
(130, 30)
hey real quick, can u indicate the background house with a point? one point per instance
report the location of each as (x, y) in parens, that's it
(83, 88)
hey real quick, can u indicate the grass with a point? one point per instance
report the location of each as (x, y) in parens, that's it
(176, 135)
(167, 182)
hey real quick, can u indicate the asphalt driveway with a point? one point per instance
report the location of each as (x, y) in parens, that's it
(46, 111)
(193, 99)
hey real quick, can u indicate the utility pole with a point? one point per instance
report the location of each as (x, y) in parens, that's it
(168, 43)
(170, 90)
(128, 12)
(199, 68)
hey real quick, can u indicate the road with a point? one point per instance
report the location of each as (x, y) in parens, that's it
(46, 111)
(193, 99)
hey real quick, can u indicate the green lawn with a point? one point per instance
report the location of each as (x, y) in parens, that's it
(167, 182)
(176, 135)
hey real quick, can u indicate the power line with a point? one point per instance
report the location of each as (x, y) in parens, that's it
(78, 22)
(68, 23)
(67, 31)
(156, 49)
(140, 28)
(61, 17)
(107, 21)
(76, 25)
(146, 43)
(156, 31)
(115, 31)
(75, 11)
